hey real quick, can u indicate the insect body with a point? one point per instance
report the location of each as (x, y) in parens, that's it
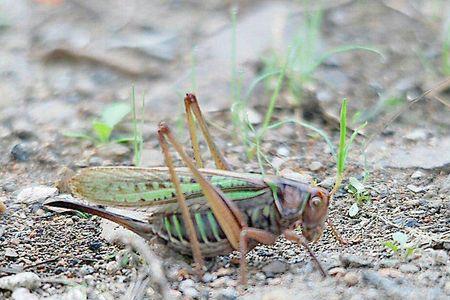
(204, 212)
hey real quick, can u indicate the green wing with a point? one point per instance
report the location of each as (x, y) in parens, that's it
(143, 187)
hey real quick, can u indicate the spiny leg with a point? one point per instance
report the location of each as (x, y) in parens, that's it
(226, 212)
(193, 240)
(293, 236)
(261, 236)
(336, 233)
(193, 109)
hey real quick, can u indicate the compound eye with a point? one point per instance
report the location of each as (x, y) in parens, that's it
(316, 201)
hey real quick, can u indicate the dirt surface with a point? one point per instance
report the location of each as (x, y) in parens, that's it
(63, 62)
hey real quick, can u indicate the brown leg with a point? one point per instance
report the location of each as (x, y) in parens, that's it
(226, 212)
(261, 236)
(293, 236)
(193, 109)
(336, 233)
(195, 245)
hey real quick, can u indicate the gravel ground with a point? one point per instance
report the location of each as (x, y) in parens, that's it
(65, 62)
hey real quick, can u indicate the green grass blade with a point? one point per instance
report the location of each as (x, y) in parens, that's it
(343, 133)
(256, 81)
(345, 48)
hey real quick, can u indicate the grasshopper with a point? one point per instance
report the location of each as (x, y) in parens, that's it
(204, 212)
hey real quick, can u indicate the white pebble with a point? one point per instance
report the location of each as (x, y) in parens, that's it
(36, 193)
(27, 280)
(23, 294)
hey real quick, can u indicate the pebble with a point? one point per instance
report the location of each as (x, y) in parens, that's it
(275, 267)
(338, 271)
(113, 151)
(283, 151)
(86, 270)
(441, 257)
(417, 174)
(328, 182)
(27, 280)
(351, 278)
(350, 260)
(414, 188)
(208, 277)
(229, 293)
(417, 134)
(409, 268)
(389, 263)
(23, 151)
(10, 252)
(191, 292)
(23, 294)
(315, 166)
(112, 267)
(390, 272)
(187, 287)
(36, 193)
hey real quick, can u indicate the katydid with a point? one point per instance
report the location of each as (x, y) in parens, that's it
(204, 212)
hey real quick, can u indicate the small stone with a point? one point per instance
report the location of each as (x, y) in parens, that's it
(414, 188)
(27, 280)
(23, 294)
(35, 194)
(253, 116)
(191, 293)
(95, 245)
(441, 257)
(416, 135)
(328, 182)
(112, 267)
(389, 263)
(113, 151)
(409, 268)
(390, 272)
(315, 166)
(283, 151)
(417, 174)
(10, 252)
(223, 272)
(354, 261)
(86, 270)
(69, 221)
(23, 151)
(187, 283)
(351, 278)
(275, 267)
(219, 282)
(274, 281)
(208, 277)
(229, 293)
(338, 271)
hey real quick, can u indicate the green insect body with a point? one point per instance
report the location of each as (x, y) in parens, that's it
(258, 197)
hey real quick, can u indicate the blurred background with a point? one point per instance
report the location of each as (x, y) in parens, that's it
(70, 70)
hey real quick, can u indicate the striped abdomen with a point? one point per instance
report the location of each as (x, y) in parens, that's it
(259, 212)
